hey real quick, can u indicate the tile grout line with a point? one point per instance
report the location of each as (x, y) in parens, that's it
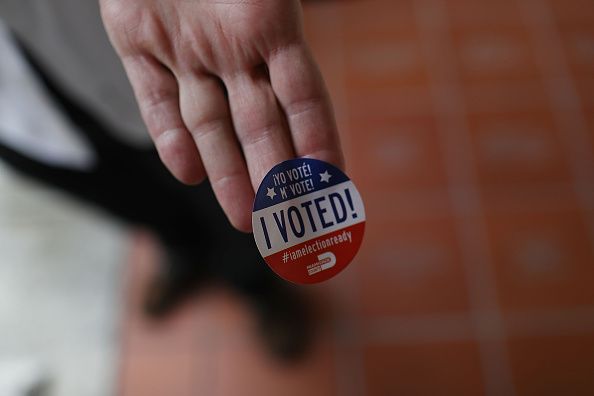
(457, 327)
(349, 368)
(465, 199)
(122, 385)
(207, 376)
(565, 103)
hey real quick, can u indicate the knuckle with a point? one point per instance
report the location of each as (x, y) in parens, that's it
(202, 129)
(157, 96)
(254, 135)
(304, 106)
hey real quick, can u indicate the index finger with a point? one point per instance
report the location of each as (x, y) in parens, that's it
(301, 92)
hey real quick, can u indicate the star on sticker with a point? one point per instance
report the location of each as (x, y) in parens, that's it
(325, 177)
(271, 193)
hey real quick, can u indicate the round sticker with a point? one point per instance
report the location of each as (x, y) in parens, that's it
(308, 220)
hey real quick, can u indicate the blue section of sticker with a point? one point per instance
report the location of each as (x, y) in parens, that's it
(295, 178)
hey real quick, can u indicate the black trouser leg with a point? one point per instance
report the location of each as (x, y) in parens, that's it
(133, 185)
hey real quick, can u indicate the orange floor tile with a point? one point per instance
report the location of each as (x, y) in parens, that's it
(469, 130)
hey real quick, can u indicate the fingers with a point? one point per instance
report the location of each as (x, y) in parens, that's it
(205, 110)
(259, 123)
(300, 90)
(156, 91)
(267, 118)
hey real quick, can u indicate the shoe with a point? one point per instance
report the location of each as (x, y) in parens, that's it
(285, 321)
(180, 277)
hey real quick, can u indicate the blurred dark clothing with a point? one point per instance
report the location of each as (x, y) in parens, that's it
(133, 185)
(87, 88)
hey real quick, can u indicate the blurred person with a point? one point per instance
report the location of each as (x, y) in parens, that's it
(226, 91)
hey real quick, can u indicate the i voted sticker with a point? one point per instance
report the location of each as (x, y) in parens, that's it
(308, 220)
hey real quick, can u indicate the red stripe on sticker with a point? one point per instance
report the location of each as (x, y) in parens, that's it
(318, 259)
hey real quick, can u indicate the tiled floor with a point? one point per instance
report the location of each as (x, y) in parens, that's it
(469, 130)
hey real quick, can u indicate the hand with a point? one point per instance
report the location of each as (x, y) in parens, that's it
(227, 89)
